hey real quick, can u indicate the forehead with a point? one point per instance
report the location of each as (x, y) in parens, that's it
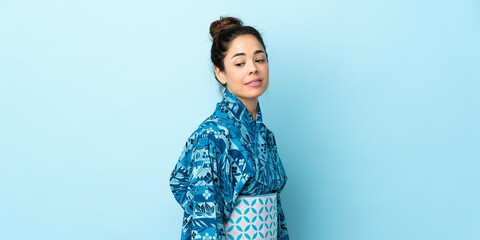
(247, 44)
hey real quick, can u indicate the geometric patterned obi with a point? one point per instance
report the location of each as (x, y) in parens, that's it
(254, 217)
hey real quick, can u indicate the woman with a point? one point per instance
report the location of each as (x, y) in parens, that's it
(229, 175)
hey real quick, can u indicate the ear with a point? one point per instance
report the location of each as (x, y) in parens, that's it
(220, 75)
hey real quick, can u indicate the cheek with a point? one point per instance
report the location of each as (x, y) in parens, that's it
(236, 75)
(265, 70)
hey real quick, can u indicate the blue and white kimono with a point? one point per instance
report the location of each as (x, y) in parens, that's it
(228, 155)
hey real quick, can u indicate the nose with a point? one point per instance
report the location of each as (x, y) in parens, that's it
(253, 69)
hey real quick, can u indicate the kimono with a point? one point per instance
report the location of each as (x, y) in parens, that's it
(228, 156)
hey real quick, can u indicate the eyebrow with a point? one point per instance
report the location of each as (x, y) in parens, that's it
(243, 54)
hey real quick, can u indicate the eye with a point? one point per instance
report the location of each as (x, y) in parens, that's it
(260, 60)
(239, 64)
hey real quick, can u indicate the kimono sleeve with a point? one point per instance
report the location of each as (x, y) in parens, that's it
(194, 183)
(282, 224)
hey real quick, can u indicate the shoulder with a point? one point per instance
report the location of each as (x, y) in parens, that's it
(212, 132)
(270, 137)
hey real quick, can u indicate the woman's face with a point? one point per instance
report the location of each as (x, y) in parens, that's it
(246, 68)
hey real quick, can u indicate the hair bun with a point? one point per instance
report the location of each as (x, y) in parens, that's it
(223, 24)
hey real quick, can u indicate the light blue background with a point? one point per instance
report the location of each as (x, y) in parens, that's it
(375, 106)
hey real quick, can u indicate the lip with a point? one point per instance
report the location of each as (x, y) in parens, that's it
(256, 79)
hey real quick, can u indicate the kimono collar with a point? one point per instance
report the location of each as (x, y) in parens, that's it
(237, 110)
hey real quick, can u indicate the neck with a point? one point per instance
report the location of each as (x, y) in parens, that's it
(251, 105)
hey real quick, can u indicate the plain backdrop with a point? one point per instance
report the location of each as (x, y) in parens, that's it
(375, 106)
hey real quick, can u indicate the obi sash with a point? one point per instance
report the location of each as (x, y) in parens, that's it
(254, 217)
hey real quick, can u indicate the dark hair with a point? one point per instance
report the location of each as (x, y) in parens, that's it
(223, 32)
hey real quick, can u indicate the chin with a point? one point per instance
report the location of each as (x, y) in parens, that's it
(254, 93)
